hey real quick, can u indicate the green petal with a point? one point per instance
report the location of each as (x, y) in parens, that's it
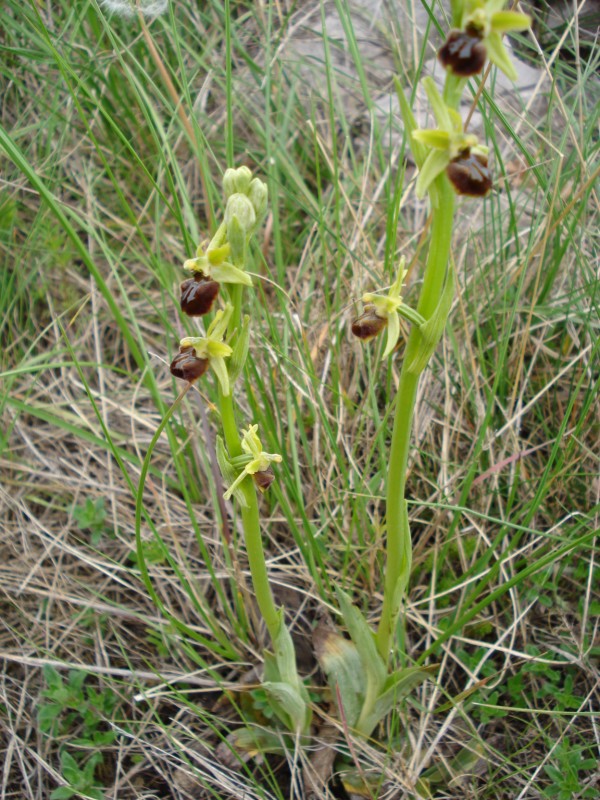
(393, 332)
(434, 165)
(227, 273)
(439, 140)
(220, 368)
(218, 327)
(498, 55)
(506, 21)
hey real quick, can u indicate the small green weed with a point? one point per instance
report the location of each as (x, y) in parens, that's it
(70, 707)
(91, 516)
(566, 773)
(80, 779)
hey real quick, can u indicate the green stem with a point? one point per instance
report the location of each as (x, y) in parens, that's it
(256, 560)
(398, 565)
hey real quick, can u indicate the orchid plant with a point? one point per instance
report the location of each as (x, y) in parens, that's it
(450, 161)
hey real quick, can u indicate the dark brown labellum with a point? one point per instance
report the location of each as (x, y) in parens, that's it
(187, 366)
(198, 294)
(368, 325)
(264, 479)
(469, 174)
(463, 53)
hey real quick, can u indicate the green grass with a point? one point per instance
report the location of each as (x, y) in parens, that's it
(107, 188)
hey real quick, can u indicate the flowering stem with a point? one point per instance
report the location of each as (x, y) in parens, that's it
(250, 515)
(398, 549)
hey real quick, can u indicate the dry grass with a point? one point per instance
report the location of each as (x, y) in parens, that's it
(505, 471)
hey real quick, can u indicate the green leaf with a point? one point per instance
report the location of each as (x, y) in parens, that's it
(397, 686)
(341, 662)
(52, 677)
(432, 330)
(364, 639)
(287, 703)
(258, 740)
(62, 793)
(47, 715)
(285, 653)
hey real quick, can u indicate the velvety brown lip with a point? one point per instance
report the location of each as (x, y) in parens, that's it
(198, 295)
(368, 325)
(463, 53)
(470, 175)
(187, 366)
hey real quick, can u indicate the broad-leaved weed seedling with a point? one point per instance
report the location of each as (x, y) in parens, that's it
(450, 161)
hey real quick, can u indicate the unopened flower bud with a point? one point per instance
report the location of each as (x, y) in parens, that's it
(469, 174)
(369, 324)
(187, 366)
(237, 180)
(240, 207)
(258, 195)
(198, 295)
(263, 479)
(463, 53)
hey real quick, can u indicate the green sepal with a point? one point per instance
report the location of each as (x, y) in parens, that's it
(393, 333)
(439, 140)
(397, 686)
(227, 273)
(410, 126)
(441, 111)
(228, 472)
(435, 164)
(219, 367)
(498, 55)
(507, 21)
(339, 659)
(240, 352)
(432, 330)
